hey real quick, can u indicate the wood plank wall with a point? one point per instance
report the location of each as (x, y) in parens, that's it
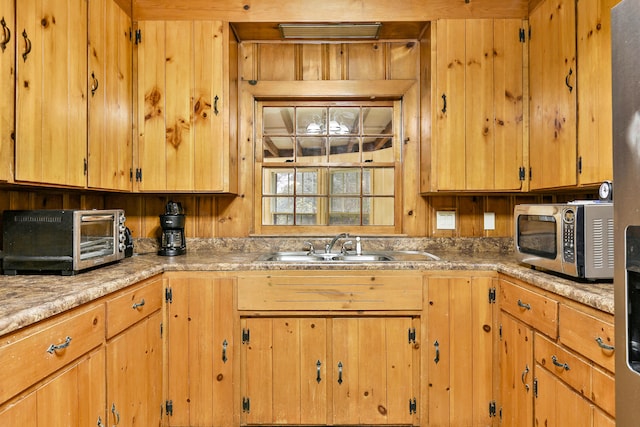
(232, 216)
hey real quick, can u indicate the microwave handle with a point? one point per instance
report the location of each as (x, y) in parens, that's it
(94, 218)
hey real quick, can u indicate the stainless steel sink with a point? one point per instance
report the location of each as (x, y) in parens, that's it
(382, 256)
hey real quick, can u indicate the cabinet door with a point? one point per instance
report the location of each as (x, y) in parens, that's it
(461, 321)
(478, 133)
(185, 141)
(556, 404)
(110, 131)
(373, 377)
(72, 398)
(200, 360)
(51, 107)
(552, 70)
(594, 97)
(285, 371)
(7, 86)
(516, 372)
(134, 372)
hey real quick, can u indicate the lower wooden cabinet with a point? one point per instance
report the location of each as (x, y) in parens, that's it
(550, 375)
(200, 351)
(329, 370)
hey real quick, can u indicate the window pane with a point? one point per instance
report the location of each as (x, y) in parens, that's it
(344, 211)
(344, 120)
(311, 120)
(307, 181)
(344, 149)
(308, 211)
(377, 149)
(277, 120)
(345, 181)
(379, 182)
(311, 149)
(277, 181)
(277, 148)
(381, 210)
(377, 120)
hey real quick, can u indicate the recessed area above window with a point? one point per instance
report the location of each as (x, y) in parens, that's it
(328, 164)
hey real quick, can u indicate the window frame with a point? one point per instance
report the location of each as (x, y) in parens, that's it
(395, 164)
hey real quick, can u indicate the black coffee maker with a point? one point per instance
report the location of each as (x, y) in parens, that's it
(172, 223)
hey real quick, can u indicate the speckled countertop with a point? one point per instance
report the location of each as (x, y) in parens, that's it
(27, 299)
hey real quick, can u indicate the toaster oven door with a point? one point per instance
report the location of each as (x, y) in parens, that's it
(96, 238)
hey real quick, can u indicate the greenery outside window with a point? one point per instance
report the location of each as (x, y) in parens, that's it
(324, 165)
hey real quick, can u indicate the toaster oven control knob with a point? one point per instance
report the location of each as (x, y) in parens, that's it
(121, 228)
(122, 246)
(122, 237)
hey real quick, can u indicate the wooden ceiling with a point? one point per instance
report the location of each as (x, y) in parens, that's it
(270, 11)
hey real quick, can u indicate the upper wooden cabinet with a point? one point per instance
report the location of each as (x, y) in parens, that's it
(570, 137)
(7, 86)
(51, 103)
(187, 103)
(110, 97)
(477, 107)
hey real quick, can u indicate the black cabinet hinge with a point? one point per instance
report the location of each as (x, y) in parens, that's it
(492, 409)
(412, 335)
(245, 336)
(131, 174)
(522, 36)
(161, 330)
(246, 405)
(413, 406)
(138, 175)
(86, 166)
(492, 295)
(535, 388)
(138, 39)
(168, 295)
(168, 404)
(521, 173)
(500, 332)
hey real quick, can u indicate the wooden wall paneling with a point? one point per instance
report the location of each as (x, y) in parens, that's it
(247, 58)
(470, 216)
(508, 96)
(133, 209)
(404, 60)
(367, 61)
(153, 206)
(277, 62)
(179, 133)
(312, 61)
(503, 210)
(442, 203)
(205, 217)
(327, 10)
(336, 62)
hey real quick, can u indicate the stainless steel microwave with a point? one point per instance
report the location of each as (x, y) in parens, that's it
(575, 239)
(65, 241)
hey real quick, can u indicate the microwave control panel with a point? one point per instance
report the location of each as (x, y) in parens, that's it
(568, 235)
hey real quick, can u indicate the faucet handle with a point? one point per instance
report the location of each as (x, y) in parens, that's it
(312, 250)
(344, 247)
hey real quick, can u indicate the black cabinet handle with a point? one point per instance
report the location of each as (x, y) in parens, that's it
(444, 103)
(94, 84)
(6, 32)
(27, 45)
(566, 80)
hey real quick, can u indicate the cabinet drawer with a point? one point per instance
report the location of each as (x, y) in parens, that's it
(571, 369)
(533, 309)
(133, 305)
(29, 357)
(588, 335)
(604, 388)
(330, 292)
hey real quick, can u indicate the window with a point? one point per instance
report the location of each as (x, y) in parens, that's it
(328, 164)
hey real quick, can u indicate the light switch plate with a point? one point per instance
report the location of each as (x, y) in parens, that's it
(446, 220)
(489, 220)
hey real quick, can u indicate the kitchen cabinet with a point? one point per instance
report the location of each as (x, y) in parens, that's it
(57, 371)
(51, 99)
(477, 140)
(187, 106)
(570, 84)
(552, 77)
(555, 359)
(110, 97)
(595, 129)
(7, 86)
(330, 348)
(200, 357)
(461, 319)
(134, 355)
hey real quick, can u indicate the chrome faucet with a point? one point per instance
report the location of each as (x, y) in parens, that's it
(330, 246)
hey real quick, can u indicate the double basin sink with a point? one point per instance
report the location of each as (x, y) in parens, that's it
(331, 257)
